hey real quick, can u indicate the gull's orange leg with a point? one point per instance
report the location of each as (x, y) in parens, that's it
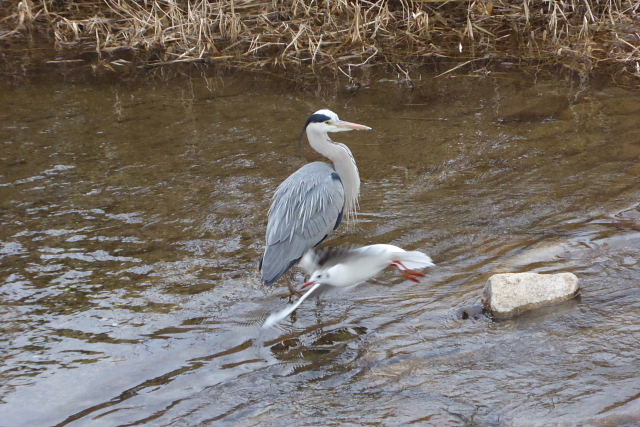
(406, 273)
(414, 272)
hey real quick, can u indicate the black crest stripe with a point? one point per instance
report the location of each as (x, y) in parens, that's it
(316, 118)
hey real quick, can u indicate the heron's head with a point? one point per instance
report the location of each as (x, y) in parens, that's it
(328, 121)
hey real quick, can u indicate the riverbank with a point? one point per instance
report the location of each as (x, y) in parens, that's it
(342, 37)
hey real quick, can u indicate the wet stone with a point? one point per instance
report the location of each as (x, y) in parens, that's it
(508, 294)
(472, 312)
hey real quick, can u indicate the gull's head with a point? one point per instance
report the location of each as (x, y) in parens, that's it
(338, 275)
(322, 277)
(327, 121)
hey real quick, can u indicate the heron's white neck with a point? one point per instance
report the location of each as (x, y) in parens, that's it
(343, 163)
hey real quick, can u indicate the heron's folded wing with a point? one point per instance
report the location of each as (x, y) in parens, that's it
(306, 207)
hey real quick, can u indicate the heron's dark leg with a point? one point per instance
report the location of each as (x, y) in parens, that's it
(290, 278)
(293, 290)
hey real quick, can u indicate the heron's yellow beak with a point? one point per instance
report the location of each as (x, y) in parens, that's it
(350, 126)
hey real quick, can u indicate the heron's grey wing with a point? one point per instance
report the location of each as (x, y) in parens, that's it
(306, 207)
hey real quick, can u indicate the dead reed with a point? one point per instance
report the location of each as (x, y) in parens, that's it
(345, 36)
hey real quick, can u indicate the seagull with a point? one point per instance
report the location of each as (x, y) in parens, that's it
(348, 267)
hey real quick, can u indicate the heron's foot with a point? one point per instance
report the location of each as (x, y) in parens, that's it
(408, 273)
(289, 295)
(293, 292)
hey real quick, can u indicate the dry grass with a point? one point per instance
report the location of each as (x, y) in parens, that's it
(345, 36)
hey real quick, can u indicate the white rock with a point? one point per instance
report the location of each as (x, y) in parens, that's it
(508, 294)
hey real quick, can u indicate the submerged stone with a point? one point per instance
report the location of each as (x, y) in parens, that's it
(509, 294)
(473, 312)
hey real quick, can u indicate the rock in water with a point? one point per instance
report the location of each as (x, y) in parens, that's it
(508, 294)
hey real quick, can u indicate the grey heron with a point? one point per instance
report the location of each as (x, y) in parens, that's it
(311, 202)
(344, 268)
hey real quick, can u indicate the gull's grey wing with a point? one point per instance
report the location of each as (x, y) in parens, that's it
(327, 257)
(278, 316)
(309, 261)
(306, 207)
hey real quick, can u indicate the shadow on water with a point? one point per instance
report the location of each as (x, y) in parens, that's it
(132, 218)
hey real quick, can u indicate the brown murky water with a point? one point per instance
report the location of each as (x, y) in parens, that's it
(132, 218)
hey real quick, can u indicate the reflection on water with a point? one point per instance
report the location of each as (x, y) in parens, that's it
(132, 217)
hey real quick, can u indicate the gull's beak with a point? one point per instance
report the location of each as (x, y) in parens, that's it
(350, 126)
(307, 284)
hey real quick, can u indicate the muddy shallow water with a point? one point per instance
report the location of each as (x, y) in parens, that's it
(132, 217)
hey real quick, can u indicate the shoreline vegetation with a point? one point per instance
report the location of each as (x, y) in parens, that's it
(344, 37)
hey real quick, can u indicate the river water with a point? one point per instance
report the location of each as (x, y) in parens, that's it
(132, 218)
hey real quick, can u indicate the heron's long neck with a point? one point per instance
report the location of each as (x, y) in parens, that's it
(343, 163)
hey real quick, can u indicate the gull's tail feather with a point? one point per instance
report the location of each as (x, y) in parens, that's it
(415, 259)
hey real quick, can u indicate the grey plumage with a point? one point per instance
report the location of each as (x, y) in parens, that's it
(306, 207)
(326, 257)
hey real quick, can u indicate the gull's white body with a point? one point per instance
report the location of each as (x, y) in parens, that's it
(361, 264)
(350, 267)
